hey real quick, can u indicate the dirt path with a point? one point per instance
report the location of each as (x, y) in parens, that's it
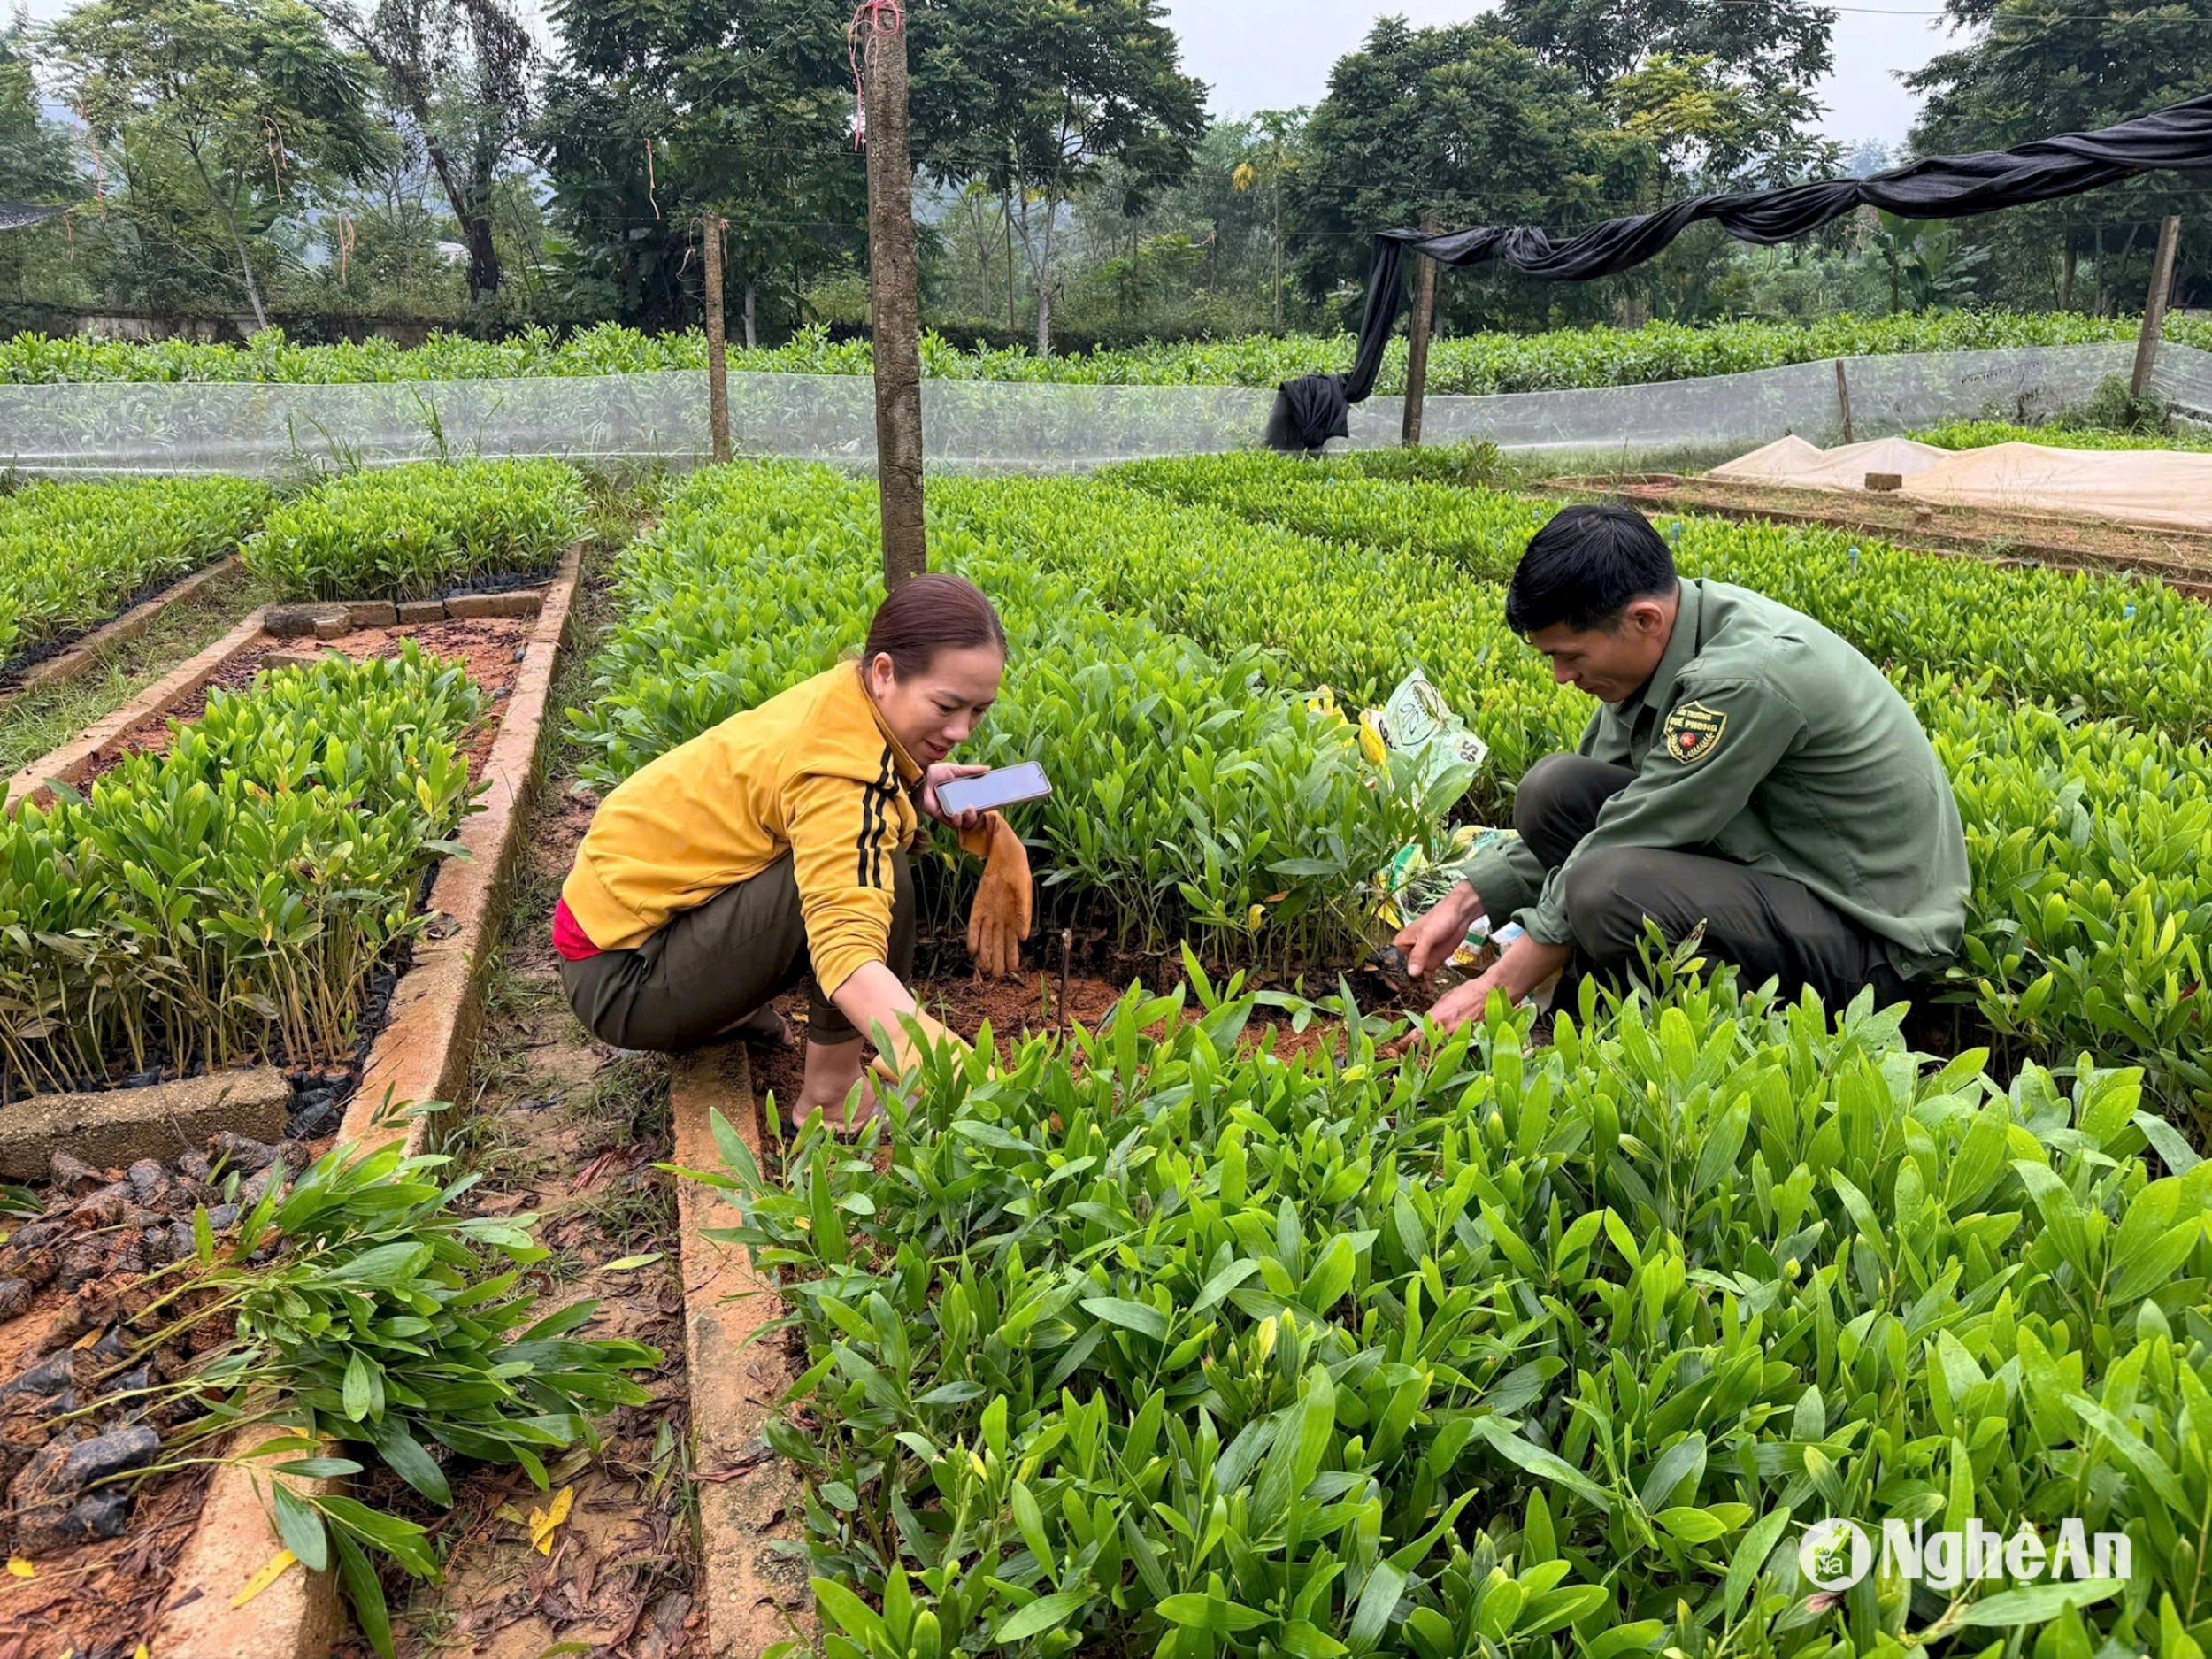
(558, 1124)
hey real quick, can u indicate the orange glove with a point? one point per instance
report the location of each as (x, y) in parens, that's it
(1001, 919)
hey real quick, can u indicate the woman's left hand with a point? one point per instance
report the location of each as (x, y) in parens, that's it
(945, 771)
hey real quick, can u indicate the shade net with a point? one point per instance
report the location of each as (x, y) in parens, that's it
(277, 430)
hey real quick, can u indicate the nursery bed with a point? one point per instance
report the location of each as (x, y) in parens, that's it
(63, 660)
(186, 1581)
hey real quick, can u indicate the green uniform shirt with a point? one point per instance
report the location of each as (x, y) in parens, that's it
(1764, 739)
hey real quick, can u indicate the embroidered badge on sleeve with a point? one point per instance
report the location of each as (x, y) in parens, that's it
(1693, 731)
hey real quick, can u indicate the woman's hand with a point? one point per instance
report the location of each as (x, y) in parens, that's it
(945, 771)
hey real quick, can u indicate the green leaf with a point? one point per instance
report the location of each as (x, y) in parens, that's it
(301, 1529)
(406, 1457)
(1378, 1599)
(854, 1616)
(1130, 1316)
(1692, 1525)
(1538, 1462)
(1214, 1613)
(2036, 1604)
(364, 1390)
(366, 1594)
(1047, 1612)
(1751, 1555)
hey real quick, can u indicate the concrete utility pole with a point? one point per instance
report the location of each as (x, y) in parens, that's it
(2154, 306)
(894, 292)
(718, 352)
(1418, 354)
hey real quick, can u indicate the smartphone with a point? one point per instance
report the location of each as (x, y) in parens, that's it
(1002, 787)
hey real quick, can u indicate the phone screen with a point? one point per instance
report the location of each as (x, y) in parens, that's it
(1002, 787)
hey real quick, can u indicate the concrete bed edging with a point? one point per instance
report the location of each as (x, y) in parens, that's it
(420, 1055)
(70, 662)
(69, 762)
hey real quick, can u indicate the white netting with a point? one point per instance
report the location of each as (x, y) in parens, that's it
(1723, 414)
(2183, 379)
(271, 429)
(997, 426)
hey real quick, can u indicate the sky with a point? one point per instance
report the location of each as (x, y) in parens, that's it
(1272, 54)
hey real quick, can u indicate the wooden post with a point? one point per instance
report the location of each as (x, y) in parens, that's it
(2155, 305)
(895, 295)
(1843, 396)
(1418, 357)
(718, 347)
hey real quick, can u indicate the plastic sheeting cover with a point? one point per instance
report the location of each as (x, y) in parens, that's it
(996, 426)
(2161, 488)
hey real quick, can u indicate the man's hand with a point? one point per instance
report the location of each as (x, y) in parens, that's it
(1525, 965)
(1433, 937)
(945, 771)
(1001, 917)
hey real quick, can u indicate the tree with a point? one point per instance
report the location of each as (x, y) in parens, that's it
(2035, 67)
(35, 166)
(1710, 131)
(1462, 125)
(1275, 151)
(1714, 132)
(1753, 43)
(34, 159)
(665, 110)
(224, 115)
(461, 70)
(1036, 98)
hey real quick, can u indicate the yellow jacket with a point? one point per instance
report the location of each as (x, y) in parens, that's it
(813, 772)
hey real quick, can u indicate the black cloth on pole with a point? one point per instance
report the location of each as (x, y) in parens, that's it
(1311, 411)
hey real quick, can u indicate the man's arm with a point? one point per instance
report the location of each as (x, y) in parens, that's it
(1713, 749)
(1683, 796)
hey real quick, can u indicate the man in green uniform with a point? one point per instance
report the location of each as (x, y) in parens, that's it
(1747, 769)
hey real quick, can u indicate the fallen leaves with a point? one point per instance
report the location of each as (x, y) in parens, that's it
(546, 1521)
(276, 1568)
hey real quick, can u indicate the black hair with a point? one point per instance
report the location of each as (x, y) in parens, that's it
(926, 614)
(1584, 567)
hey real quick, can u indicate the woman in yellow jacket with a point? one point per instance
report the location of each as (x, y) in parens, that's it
(718, 876)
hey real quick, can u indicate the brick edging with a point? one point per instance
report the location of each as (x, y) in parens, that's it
(74, 759)
(753, 1593)
(68, 664)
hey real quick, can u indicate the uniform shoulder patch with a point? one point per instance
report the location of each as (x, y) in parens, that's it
(1693, 731)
